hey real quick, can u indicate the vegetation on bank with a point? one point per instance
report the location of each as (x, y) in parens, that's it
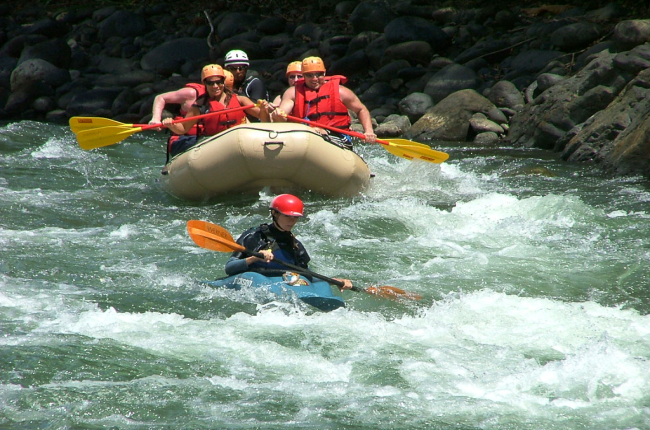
(293, 9)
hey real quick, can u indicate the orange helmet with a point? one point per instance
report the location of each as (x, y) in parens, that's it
(212, 70)
(288, 205)
(230, 79)
(313, 64)
(294, 67)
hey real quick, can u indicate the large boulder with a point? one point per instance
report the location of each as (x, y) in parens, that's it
(38, 70)
(450, 79)
(122, 23)
(168, 57)
(619, 135)
(449, 119)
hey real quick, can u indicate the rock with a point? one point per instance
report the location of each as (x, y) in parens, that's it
(617, 136)
(415, 105)
(631, 33)
(122, 23)
(393, 126)
(97, 102)
(481, 124)
(38, 70)
(168, 57)
(413, 28)
(449, 119)
(415, 52)
(54, 51)
(486, 138)
(370, 16)
(450, 79)
(505, 94)
(576, 36)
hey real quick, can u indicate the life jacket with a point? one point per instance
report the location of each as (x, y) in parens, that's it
(323, 106)
(215, 124)
(283, 245)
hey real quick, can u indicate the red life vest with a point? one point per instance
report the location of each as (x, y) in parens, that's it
(214, 124)
(323, 106)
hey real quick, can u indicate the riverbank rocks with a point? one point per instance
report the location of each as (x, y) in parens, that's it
(566, 78)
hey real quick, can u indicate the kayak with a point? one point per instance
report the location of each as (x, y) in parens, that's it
(316, 293)
(250, 157)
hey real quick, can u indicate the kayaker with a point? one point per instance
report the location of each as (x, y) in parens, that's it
(217, 97)
(237, 63)
(324, 100)
(293, 74)
(274, 241)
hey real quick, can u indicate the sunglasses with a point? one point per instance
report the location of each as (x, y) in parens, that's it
(213, 83)
(313, 75)
(295, 77)
(236, 68)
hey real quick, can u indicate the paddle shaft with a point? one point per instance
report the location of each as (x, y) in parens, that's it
(338, 130)
(150, 126)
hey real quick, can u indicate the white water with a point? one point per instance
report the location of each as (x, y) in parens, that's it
(534, 315)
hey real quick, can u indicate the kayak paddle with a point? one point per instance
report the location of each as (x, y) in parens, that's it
(104, 136)
(399, 147)
(216, 238)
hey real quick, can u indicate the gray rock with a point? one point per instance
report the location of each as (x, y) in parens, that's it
(575, 36)
(416, 52)
(481, 124)
(505, 94)
(370, 16)
(450, 79)
(415, 105)
(486, 138)
(38, 70)
(631, 33)
(449, 119)
(412, 28)
(122, 23)
(168, 57)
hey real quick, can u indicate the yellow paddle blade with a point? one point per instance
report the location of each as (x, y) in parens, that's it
(80, 123)
(414, 151)
(104, 136)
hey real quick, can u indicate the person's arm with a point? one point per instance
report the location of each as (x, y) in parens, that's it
(182, 127)
(236, 265)
(286, 105)
(180, 97)
(352, 102)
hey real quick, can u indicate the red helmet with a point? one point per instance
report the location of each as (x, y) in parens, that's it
(287, 204)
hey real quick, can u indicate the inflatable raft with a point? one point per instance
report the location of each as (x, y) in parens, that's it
(250, 157)
(316, 293)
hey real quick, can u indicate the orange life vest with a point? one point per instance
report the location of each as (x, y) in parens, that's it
(323, 106)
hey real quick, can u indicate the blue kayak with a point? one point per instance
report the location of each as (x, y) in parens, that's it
(316, 293)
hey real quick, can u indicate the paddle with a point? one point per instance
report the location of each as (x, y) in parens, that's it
(399, 147)
(216, 238)
(81, 123)
(110, 135)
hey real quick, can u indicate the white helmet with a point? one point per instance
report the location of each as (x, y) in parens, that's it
(236, 57)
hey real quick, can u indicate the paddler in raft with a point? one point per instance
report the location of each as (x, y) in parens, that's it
(324, 100)
(217, 97)
(274, 241)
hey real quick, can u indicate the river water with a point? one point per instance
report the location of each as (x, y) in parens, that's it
(534, 275)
